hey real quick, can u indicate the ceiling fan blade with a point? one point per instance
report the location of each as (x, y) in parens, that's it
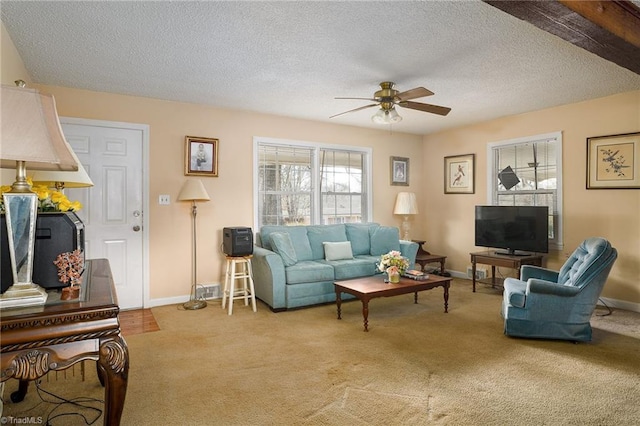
(354, 110)
(434, 109)
(418, 92)
(361, 99)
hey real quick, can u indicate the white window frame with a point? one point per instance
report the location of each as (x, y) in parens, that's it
(315, 176)
(492, 182)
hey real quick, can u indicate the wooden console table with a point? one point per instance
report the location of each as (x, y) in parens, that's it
(39, 339)
(508, 261)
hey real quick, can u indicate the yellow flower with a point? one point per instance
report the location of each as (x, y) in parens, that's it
(64, 205)
(76, 205)
(41, 191)
(5, 188)
(58, 197)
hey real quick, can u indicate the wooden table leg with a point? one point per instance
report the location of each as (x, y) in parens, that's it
(473, 273)
(415, 297)
(365, 313)
(338, 303)
(113, 363)
(18, 396)
(446, 297)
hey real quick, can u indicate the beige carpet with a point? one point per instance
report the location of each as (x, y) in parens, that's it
(416, 365)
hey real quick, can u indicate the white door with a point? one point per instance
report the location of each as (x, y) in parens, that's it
(113, 208)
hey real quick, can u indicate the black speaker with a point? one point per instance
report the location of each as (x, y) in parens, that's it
(508, 178)
(237, 241)
(56, 233)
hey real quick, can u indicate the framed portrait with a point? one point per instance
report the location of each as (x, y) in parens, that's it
(459, 174)
(200, 156)
(399, 171)
(613, 162)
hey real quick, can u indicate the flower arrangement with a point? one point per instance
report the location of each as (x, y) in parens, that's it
(48, 200)
(70, 265)
(393, 263)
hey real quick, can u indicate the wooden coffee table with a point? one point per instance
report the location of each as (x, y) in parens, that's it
(369, 288)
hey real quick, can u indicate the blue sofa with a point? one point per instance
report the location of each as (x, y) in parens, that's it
(296, 266)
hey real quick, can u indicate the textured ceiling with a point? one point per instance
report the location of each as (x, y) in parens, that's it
(293, 58)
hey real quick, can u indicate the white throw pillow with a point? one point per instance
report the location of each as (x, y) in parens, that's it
(338, 251)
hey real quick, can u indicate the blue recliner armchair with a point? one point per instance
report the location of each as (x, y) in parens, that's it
(546, 304)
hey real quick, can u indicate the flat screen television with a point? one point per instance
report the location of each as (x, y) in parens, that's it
(515, 229)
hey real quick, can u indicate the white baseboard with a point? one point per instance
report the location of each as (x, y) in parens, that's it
(620, 304)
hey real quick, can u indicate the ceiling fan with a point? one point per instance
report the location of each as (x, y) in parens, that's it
(388, 97)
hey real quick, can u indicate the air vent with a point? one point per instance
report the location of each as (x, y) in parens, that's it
(481, 272)
(208, 291)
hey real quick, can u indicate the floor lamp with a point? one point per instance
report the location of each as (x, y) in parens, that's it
(193, 190)
(31, 139)
(406, 205)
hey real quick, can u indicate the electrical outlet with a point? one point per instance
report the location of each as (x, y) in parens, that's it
(164, 200)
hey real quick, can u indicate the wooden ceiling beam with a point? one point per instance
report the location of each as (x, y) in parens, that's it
(609, 29)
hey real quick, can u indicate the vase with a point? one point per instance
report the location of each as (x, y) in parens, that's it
(70, 293)
(394, 277)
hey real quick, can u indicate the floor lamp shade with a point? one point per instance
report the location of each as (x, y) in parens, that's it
(193, 190)
(406, 206)
(31, 138)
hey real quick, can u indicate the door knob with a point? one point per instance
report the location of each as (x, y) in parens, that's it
(136, 228)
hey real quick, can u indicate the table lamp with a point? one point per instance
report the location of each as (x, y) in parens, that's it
(61, 180)
(193, 190)
(31, 138)
(406, 205)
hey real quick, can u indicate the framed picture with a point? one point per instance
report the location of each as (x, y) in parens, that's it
(459, 174)
(200, 156)
(399, 171)
(613, 162)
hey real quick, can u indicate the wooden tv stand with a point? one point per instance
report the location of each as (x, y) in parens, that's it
(509, 261)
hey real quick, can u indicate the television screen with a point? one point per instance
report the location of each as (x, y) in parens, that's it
(513, 228)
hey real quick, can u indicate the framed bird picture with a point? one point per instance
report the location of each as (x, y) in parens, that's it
(613, 161)
(459, 174)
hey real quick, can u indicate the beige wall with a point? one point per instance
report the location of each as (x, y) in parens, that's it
(613, 214)
(11, 66)
(232, 191)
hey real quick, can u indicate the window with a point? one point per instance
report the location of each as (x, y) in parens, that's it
(300, 183)
(528, 172)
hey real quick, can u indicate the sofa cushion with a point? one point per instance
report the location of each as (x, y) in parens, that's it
(319, 234)
(353, 268)
(337, 251)
(281, 243)
(309, 271)
(298, 236)
(384, 239)
(358, 234)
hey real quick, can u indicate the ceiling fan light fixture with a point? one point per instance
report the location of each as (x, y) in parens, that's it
(386, 116)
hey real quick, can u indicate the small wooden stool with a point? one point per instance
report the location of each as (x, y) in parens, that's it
(235, 272)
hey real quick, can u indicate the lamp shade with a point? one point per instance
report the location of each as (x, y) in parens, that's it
(386, 116)
(31, 132)
(51, 178)
(406, 204)
(193, 190)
